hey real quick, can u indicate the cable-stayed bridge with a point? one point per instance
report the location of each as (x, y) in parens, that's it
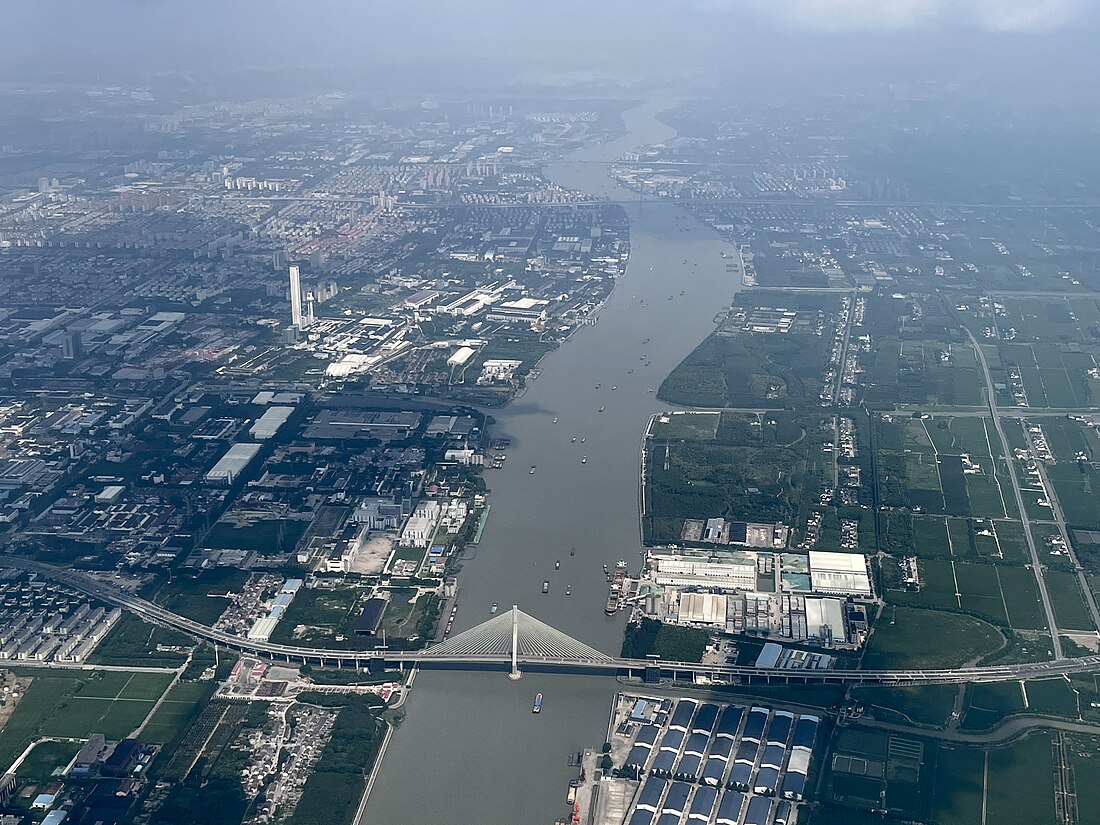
(515, 642)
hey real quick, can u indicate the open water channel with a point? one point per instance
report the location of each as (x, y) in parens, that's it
(470, 750)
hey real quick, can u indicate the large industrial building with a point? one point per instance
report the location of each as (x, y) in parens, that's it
(232, 464)
(734, 571)
(842, 574)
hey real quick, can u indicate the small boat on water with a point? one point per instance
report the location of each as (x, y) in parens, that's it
(569, 590)
(557, 565)
(613, 388)
(583, 439)
(532, 470)
(546, 585)
(597, 386)
(600, 409)
(573, 440)
(584, 460)
(572, 551)
(555, 420)
(537, 707)
(493, 609)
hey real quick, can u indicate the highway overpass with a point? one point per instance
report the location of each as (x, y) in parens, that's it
(515, 641)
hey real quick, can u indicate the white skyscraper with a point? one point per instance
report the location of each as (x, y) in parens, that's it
(295, 297)
(309, 308)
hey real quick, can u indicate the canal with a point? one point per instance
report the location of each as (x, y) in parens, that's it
(470, 749)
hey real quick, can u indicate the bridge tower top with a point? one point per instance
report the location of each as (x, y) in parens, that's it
(519, 636)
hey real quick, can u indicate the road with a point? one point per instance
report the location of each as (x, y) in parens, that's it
(1060, 521)
(1036, 564)
(603, 665)
(1011, 728)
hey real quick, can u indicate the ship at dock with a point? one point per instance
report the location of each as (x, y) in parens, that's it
(615, 593)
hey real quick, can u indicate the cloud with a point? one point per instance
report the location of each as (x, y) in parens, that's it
(896, 15)
(1026, 15)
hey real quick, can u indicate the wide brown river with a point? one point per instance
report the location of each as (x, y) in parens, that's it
(470, 750)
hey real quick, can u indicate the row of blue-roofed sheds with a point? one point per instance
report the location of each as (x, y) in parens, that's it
(714, 763)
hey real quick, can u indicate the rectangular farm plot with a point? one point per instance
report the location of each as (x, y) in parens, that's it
(1052, 378)
(1069, 605)
(958, 532)
(960, 786)
(981, 591)
(1076, 490)
(1066, 438)
(986, 497)
(1053, 696)
(1021, 783)
(1010, 541)
(1002, 594)
(930, 536)
(988, 704)
(1021, 594)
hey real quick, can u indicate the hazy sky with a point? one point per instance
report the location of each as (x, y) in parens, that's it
(1044, 42)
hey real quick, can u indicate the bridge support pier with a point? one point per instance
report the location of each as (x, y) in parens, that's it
(515, 673)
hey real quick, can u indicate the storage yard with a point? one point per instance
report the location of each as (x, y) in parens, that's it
(682, 762)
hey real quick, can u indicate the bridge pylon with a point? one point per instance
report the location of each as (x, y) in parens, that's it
(515, 674)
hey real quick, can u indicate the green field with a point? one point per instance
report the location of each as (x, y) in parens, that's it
(692, 426)
(907, 637)
(133, 643)
(1021, 783)
(988, 704)
(1004, 594)
(1077, 488)
(45, 759)
(930, 537)
(1070, 611)
(189, 595)
(926, 705)
(266, 536)
(959, 786)
(1053, 696)
(113, 703)
(317, 616)
(178, 709)
(747, 371)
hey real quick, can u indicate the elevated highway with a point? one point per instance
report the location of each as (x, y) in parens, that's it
(516, 642)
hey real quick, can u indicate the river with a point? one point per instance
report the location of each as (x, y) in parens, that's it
(470, 749)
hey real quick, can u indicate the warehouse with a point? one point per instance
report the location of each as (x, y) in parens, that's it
(269, 423)
(232, 464)
(702, 610)
(692, 761)
(843, 574)
(701, 805)
(371, 617)
(737, 571)
(729, 810)
(768, 778)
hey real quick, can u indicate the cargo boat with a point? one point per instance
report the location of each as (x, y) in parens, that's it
(537, 707)
(615, 592)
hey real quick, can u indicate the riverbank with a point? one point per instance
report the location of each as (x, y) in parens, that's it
(470, 732)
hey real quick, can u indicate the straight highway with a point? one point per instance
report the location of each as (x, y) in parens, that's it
(1036, 563)
(682, 671)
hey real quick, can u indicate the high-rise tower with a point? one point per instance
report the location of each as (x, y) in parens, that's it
(295, 297)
